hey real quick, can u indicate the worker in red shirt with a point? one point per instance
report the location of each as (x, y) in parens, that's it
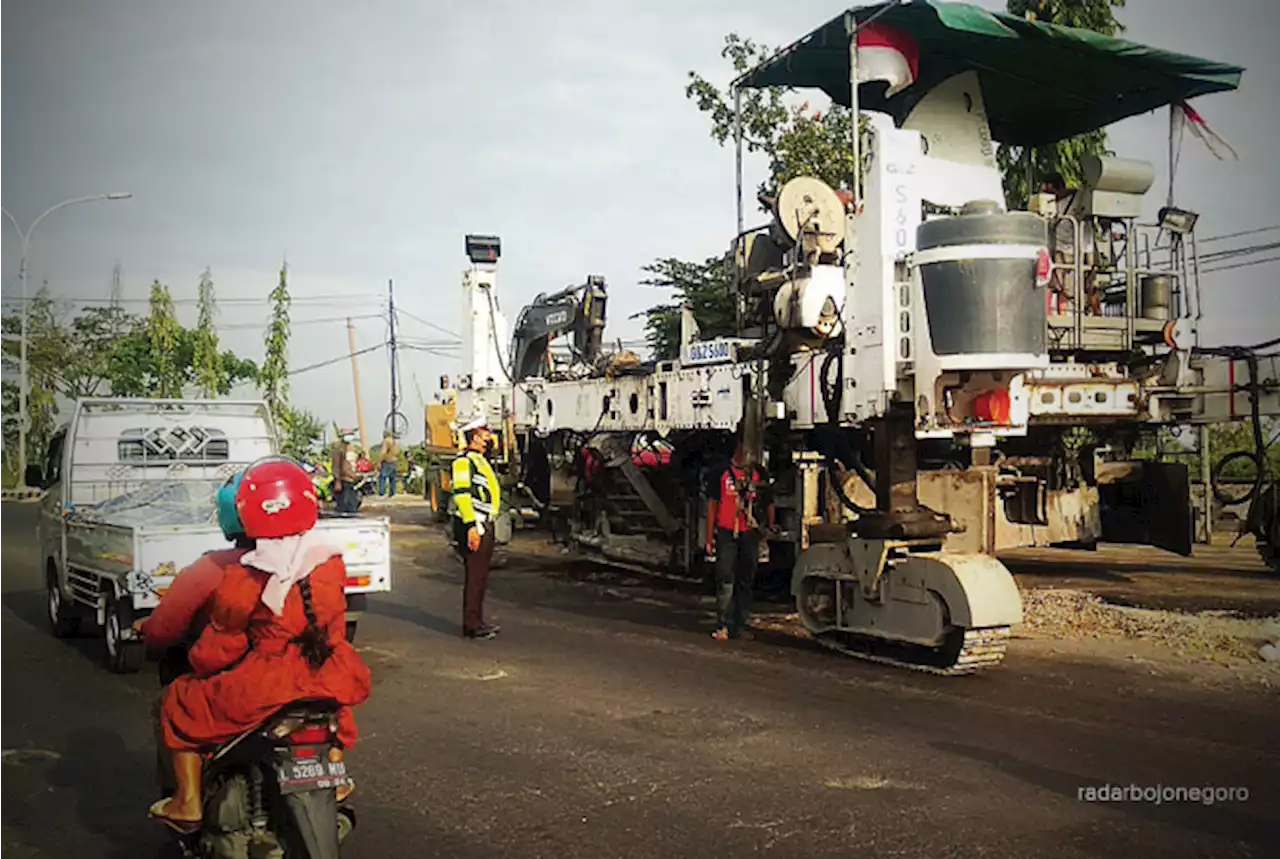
(733, 540)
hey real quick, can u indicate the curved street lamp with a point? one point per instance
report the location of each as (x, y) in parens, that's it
(24, 380)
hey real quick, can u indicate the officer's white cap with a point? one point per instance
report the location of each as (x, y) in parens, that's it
(477, 422)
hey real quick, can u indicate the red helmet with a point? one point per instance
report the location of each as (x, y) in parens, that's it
(276, 499)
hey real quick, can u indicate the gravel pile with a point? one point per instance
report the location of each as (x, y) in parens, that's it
(1206, 636)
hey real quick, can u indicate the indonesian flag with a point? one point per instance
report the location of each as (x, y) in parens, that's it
(885, 54)
(1186, 117)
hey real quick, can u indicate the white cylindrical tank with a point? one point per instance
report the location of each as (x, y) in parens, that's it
(1118, 175)
(813, 302)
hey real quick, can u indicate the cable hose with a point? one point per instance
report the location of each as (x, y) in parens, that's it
(831, 401)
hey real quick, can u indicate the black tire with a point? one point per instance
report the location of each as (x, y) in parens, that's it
(64, 620)
(123, 657)
(351, 630)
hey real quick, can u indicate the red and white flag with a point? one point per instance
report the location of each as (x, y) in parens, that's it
(885, 54)
(1186, 117)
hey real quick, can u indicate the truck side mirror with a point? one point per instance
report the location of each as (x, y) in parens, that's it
(34, 477)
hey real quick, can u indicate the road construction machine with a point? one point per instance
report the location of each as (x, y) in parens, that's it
(913, 361)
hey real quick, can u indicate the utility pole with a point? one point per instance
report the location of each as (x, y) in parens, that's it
(391, 422)
(355, 380)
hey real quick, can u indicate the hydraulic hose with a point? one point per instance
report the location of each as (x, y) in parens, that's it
(831, 400)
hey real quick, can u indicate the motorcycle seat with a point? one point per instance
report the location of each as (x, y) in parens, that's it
(307, 707)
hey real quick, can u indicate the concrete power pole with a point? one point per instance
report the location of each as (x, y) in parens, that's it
(392, 422)
(355, 381)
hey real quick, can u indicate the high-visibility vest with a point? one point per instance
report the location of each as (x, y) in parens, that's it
(476, 493)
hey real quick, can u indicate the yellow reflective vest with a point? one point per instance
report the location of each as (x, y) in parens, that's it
(475, 488)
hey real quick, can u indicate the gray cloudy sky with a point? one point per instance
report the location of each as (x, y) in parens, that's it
(364, 141)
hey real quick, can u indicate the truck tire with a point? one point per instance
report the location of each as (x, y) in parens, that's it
(64, 620)
(123, 657)
(357, 605)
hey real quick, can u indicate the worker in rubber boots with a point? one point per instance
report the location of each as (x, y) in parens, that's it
(476, 500)
(733, 540)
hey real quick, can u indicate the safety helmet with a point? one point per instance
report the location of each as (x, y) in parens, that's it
(480, 421)
(228, 518)
(276, 498)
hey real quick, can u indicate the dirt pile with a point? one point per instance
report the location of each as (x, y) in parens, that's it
(1213, 636)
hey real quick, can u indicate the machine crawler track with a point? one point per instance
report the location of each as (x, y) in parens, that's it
(979, 650)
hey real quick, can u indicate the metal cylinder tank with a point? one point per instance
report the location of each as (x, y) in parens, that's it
(1157, 296)
(1120, 175)
(978, 273)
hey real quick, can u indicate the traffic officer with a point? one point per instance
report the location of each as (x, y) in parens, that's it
(476, 503)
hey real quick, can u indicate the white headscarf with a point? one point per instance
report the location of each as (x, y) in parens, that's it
(289, 560)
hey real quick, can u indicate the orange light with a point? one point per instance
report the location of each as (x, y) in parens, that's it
(992, 407)
(358, 581)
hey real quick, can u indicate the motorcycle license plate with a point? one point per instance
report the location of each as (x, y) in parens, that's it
(299, 773)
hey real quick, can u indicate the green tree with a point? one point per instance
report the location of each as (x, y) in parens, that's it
(796, 140)
(298, 431)
(707, 287)
(95, 334)
(133, 372)
(274, 379)
(163, 333)
(1066, 156)
(46, 346)
(206, 361)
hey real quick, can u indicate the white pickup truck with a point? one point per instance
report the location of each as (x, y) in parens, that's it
(131, 499)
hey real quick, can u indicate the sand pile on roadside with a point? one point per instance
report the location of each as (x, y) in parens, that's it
(1213, 636)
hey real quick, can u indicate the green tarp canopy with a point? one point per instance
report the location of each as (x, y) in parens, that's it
(1041, 82)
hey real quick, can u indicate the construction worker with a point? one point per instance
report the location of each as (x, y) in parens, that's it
(733, 540)
(476, 503)
(343, 455)
(388, 465)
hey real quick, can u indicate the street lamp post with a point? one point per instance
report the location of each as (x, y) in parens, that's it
(24, 375)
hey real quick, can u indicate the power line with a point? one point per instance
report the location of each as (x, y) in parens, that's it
(331, 361)
(430, 350)
(293, 322)
(1262, 261)
(1239, 234)
(1218, 256)
(321, 300)
(416, 318)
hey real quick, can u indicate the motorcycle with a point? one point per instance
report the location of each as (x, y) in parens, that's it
(321, 479)
(272, 791)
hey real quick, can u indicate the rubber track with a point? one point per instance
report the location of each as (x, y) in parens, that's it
(983, 649)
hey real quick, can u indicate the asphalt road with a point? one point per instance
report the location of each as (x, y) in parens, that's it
(604, 722)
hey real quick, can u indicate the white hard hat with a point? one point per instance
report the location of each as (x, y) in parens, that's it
(476, 422)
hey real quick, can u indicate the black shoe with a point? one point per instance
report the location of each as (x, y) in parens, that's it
(487, 631)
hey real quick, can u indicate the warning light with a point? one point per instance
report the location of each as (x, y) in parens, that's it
(992, 407)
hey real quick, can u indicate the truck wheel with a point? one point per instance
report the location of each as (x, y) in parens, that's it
(357, 605)
(123, 657)
(63, 619)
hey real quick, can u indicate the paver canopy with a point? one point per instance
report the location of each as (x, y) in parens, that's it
(1041, 82)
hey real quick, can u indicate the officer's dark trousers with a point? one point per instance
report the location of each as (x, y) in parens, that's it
(477, 574)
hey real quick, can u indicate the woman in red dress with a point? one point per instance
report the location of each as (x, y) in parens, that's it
(277, 634)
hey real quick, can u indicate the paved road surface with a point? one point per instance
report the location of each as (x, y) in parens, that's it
(606, 727)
